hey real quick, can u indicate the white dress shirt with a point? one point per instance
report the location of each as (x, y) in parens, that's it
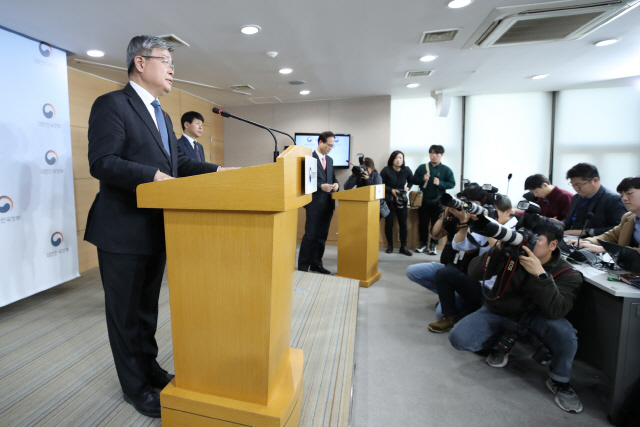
(191, 141)
(147, 99)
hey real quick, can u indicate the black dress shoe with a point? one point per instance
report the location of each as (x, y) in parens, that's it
(147, 403)
(389, 249)
(320, 269)
(160, 378)
(405, 251)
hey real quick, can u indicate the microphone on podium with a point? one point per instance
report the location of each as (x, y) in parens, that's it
(584, 255)
(225, 114)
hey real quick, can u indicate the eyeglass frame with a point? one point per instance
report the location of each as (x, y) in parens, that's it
(165, 60)
(579, 186)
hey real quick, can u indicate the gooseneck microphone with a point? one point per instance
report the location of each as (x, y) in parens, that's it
(582, 255)
(509, 182)
(225, 114)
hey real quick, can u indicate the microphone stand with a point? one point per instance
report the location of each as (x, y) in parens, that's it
(582, 255)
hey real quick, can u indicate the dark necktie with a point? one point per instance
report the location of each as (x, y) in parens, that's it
(197, 150)
(162, 126)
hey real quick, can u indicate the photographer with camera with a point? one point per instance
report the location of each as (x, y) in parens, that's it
(450, 281)
(424, 274)
(397, 178)
(433, 179)
(539, 278)
(363, 175)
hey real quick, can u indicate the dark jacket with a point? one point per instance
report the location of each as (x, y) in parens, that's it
(442, 172)
(321, 199)
(187, 148)
(554, 296)
(396, 180)
(125, 150)
(607, 208)
(353, 181)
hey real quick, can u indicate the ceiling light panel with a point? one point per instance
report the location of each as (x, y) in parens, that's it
(250, 29)
(438, 36)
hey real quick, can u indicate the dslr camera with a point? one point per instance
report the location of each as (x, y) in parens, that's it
(517, 332)
(488, 210)
(401, 200)
(514, 240)
(359, 170)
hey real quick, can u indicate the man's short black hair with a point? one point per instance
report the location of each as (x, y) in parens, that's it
(325, 135)
(475, 193)
(502, 202)
(438, 149)
(583, 170)
(535, 181)
(629, 183)
(393, 156)
(547, 227)
(190, 116)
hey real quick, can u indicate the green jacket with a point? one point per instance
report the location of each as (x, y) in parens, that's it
(554, 296)
(441, 172)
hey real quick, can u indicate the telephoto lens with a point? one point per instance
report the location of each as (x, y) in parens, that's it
(473, 208)
(491, 228)
(451, 202)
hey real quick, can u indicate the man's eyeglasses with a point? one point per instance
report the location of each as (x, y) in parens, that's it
(579, 186)
(164, 59)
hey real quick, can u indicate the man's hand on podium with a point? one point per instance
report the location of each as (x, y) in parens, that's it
(161, 176)
(222, 169)
(326, 187)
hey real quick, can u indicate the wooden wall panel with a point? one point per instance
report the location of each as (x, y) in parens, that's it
(85, 192)
(80, 150)
(171, 105)
(190, 102)
(83, 90)
(87, 254)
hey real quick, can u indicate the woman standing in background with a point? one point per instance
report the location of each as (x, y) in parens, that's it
(397, 177)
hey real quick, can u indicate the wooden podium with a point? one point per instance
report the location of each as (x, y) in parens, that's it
(231, 242)
(358, 231)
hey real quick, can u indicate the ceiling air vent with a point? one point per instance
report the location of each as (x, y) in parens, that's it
(265, 100)
(174, 40)
(516, 25)
(242, 87)
(438, 36)
(421, 73)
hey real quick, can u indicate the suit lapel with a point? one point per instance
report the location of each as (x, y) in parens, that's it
(142, 111)
(320, 169)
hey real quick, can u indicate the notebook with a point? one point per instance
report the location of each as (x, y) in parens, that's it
(626, 258)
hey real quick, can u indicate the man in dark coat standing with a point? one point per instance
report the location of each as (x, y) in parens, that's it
(320, 210)
(131, 142)
(192, 123)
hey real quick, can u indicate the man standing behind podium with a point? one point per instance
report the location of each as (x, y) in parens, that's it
(320, 210)
(131, 142)
(192, 122)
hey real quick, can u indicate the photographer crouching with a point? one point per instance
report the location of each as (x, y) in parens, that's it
(363, 175)
(535, 289)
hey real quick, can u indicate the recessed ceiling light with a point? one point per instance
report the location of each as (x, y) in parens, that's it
(286, 71)
(95, 53)
(540, 76)
(607, 42)
(428, 58)
(304, 92)
(413, 85)
(250, 29)
(457, 4)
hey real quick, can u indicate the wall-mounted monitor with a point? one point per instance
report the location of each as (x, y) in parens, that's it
(341, 150)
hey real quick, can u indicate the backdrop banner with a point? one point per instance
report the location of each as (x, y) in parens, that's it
(38, 239)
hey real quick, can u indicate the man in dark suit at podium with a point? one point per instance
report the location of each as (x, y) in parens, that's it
(131, 142)
(320, 210)
(192, 122)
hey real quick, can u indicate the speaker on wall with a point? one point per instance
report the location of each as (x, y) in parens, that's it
(443, 102)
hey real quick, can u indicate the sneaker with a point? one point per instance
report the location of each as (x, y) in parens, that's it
(432, 250)
(497, 358)
(421, 249)
(443, 325)
(566, 398)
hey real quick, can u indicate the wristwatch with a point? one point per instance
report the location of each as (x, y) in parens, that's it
(543, 276)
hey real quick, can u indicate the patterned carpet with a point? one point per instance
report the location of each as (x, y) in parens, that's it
(56, 367)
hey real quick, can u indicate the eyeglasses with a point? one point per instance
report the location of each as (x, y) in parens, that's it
(579, 186)
(164, 59)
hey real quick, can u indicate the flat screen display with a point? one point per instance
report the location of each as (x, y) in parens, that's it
(340, 153)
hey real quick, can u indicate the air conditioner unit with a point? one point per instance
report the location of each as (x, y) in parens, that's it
(537, 23)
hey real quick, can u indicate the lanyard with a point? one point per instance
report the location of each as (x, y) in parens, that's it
(575, 213)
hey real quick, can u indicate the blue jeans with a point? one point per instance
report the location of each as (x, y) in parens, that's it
(424, 274)
(480, 330)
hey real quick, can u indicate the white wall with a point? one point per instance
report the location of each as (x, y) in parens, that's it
(415, 127)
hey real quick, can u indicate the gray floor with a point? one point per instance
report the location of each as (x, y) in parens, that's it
(407, 376)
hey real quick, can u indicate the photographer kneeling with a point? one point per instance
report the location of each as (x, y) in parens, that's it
(543, 280)
(363, 175)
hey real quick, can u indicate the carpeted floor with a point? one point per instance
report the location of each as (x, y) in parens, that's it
(56, 367)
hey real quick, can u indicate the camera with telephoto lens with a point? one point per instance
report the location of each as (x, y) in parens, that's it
(401, 200)
(529, 196)
(361, 169)
(491, 193)
(517, 332)
(514, 240)
(473, 208)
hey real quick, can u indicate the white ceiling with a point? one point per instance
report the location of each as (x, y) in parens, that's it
(341, 48)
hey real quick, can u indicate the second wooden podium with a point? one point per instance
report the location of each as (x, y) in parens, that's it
(231, 243)
(358, 233)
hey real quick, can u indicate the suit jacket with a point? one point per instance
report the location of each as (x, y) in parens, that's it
(125, 150)
(322, 200)
(621, 234)
(187, 149)
(607, 208)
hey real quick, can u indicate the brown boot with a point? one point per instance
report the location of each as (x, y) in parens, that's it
(443, 325)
